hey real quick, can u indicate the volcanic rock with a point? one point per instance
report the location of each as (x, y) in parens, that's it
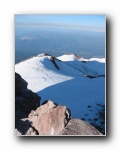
(25, 100)
(49, 119)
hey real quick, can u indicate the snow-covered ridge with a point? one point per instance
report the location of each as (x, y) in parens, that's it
(68, 80)
(72, 57)
(92, 67)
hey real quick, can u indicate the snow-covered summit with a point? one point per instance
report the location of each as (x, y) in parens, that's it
(67, 57)
(71, 57)
(67, 80)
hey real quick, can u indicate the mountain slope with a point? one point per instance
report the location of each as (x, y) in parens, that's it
(66, 80)
(93, 66)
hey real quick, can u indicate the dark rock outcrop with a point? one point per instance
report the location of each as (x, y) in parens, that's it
(52, 59)
(25, 100)
(24, 127)
(19, 83)
(79, 127)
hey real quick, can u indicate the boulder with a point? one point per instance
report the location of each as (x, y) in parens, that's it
(49, 119)
(79, 127)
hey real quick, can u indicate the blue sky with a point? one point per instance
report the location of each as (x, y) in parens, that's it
(93, 22)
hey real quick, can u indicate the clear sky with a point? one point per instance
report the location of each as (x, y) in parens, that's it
(95, 22)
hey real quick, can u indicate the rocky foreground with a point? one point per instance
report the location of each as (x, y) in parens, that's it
(48, 119)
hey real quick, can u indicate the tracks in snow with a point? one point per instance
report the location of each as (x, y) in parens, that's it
(53, 81)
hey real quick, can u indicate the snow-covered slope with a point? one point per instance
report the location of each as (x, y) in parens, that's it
(77, 83)
(92, 67)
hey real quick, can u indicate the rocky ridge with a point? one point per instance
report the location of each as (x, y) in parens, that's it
(25, 99)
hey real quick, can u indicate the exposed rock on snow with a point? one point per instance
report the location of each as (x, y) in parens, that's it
(53, 61)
